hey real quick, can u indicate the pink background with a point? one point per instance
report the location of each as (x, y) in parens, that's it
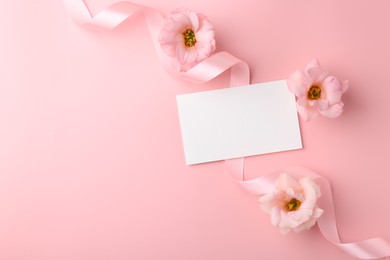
(91, 159)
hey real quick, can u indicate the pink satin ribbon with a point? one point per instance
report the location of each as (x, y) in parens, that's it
(206, 70)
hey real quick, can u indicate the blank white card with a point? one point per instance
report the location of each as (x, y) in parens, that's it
(238, 122)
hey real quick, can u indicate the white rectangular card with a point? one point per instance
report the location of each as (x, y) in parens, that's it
(237, 122)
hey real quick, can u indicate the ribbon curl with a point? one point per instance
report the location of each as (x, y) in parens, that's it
(207, 70)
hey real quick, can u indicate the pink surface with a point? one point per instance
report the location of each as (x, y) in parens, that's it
(91, 159)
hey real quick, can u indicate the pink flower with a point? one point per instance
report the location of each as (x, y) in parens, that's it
(188, 37)
(317, 92)
(292, 205)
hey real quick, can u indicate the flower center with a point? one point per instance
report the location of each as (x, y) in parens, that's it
(314, 92)
(189, 38)
(293, 204)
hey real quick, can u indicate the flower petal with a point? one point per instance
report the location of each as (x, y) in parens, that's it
(317, 212)
(331, 84)
(315, 71)
(310, 193)
(204, 24)
(186, 55)
(302, 101)
(300, 216)
(267, 202)
(292, 219)
(314, 63)
(311, 222)
(169, 43)
(205, 50)
(333, 111)
(194, 20)
(298, 83)
(316, 75)
(306, 225)
(307, 113)
(181, 20)
(285, 182)
(344, 86)
(323, 104)
(191, 18)
(275, 216)
(175, 27)
(332, 89)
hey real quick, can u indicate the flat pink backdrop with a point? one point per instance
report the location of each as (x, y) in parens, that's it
(91, 158)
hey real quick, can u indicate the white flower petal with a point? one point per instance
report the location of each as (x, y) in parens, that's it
(285, 181)
(267, 202)
(276, 216)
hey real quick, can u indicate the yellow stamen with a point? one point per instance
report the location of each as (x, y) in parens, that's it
(314, 92)
(189, 38)
(293, 204)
